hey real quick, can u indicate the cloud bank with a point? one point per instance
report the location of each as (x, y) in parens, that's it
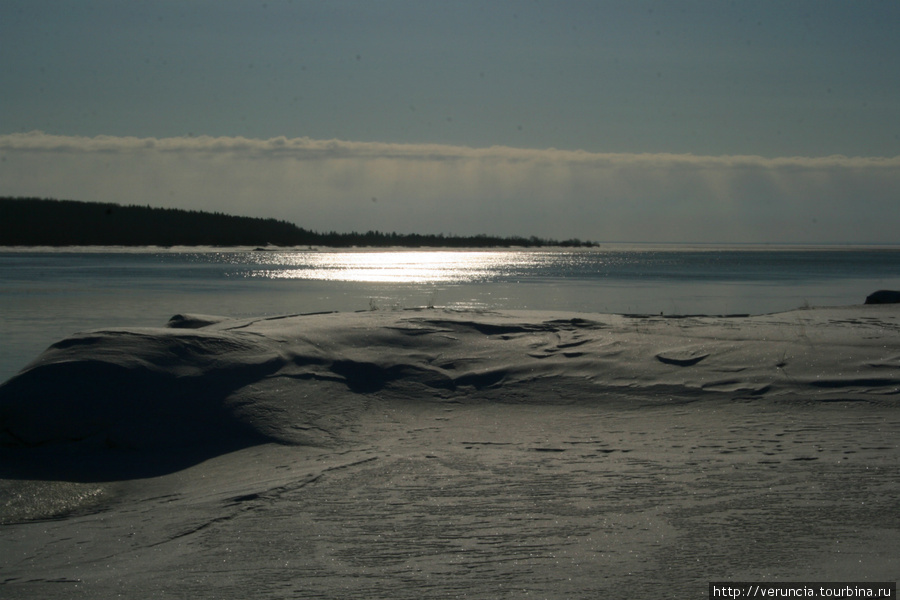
(343, 185)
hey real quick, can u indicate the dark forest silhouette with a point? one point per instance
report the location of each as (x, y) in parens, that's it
(49, 222)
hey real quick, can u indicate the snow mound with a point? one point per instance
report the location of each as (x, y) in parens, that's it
(219, 383)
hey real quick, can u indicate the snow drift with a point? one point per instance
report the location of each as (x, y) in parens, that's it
(431, 454)
(216, 382)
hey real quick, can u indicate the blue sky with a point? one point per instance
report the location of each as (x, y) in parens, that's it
(415, 93)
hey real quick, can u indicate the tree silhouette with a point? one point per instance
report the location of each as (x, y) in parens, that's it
(50, 222)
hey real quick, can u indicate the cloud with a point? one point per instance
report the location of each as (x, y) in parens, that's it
(331, 185)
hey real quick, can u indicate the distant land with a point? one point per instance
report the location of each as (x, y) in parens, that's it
(49, 222)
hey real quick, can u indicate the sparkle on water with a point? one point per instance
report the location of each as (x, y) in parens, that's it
(388, 267)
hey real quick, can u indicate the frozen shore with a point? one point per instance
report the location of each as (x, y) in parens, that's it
(428, 453)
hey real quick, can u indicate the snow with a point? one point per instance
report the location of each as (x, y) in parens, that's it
(432, 453)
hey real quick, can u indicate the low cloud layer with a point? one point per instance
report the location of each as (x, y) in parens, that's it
(337, 185)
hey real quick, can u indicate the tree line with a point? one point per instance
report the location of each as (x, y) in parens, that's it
(51, 222)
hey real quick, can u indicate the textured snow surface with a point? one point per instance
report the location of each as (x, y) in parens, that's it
(434, 454)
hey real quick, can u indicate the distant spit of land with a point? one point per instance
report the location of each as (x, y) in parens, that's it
(49, 222)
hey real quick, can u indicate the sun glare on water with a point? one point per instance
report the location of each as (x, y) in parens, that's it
(384, 267)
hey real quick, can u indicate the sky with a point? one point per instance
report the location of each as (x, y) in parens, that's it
(614, 121)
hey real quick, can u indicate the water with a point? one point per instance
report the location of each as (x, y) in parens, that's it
(47, 295)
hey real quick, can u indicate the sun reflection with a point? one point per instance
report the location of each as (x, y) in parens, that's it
(384, 267)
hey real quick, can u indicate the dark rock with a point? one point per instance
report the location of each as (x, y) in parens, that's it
(185, 321)
(883, 297)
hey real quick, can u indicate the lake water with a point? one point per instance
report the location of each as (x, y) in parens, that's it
(46, 295)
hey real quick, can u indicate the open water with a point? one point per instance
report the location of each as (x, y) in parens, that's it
(46, 295)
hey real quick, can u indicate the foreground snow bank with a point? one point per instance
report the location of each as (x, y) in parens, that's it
(430, 454)
(222, 383)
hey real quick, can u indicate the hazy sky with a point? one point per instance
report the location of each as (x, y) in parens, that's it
(712, 121)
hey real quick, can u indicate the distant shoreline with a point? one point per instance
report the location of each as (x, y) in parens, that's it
(604, 247)
(67, 223)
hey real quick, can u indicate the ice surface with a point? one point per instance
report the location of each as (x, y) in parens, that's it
(433, 453)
